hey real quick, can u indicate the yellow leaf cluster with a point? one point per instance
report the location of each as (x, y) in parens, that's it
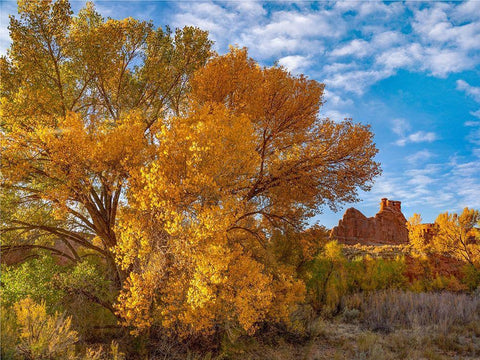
(71, 154)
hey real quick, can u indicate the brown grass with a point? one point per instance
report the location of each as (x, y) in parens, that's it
(387, 310)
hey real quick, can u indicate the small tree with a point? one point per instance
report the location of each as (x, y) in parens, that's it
(416, 234)
(458, 235)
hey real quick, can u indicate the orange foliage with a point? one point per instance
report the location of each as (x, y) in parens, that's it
(249, 158)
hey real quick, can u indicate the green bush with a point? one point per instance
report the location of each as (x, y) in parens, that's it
(380, 274)
(32, 279)
(327, 278)
(331, 276)
(471, 277)
(8, 334)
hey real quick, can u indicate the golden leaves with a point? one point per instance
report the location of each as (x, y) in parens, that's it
(459, 235)
(210, 168)
(249, 157)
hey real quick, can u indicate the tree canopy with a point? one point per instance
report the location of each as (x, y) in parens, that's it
(173, 164)
(79, 95)
(459, 235)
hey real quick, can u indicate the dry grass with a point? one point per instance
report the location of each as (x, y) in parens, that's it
(342, 341)
(387, 325)
(387, 310)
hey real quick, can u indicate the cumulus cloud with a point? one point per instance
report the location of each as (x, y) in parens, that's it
(295, 63)
(335, 115)
(357, 47)
(348, 45)
(417, 137)
(401, 127)
(357, 81)
(471, 91)
(333, 99)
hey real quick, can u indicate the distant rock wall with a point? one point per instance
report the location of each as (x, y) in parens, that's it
(388, 226)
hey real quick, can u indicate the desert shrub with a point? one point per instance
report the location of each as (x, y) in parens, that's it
(331, 276)
(385, 310)
(471, 277)
(89, 296)
(350, 315)
(32, 279)
(380, 274)
(8, 334)
(101, 354)
(43, 336)
(81, 290)
(327, 278)
(448, 283)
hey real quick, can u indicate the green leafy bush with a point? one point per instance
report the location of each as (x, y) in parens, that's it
(471, 277)
(32, 279)
(8, 334)
(380, 274)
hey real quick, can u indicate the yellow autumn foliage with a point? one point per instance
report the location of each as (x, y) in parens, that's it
(173, 166)
(240, 165)
(44, 336)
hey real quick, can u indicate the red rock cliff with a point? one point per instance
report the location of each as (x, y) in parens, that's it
(388, 226)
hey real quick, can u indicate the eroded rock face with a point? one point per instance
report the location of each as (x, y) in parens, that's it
(388, 226)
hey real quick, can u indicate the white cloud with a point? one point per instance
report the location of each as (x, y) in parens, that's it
(369, 8)
(6, 9)
(441, 62)
(419, 157)
(400, 126)
(435, 24)
(472, 123)
(472, 91)
(250, 8)
(357, 81)
(474, 136)
(335, 115)
(467, 11)
(295, 63)
(417, 137)
(422, 136)
(475, 113)
(332, 99)
(357, 47)
(433, 187)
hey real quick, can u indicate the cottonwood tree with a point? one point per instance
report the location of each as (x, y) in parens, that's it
(118, 141)
(79, 97)
(416, 234)
(459, 235)
(249, 158)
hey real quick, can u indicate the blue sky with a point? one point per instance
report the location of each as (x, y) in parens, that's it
(409, 69)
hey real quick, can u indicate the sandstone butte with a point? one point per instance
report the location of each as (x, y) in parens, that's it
(387, 227)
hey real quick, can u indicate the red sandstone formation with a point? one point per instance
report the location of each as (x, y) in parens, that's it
(388, 226)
